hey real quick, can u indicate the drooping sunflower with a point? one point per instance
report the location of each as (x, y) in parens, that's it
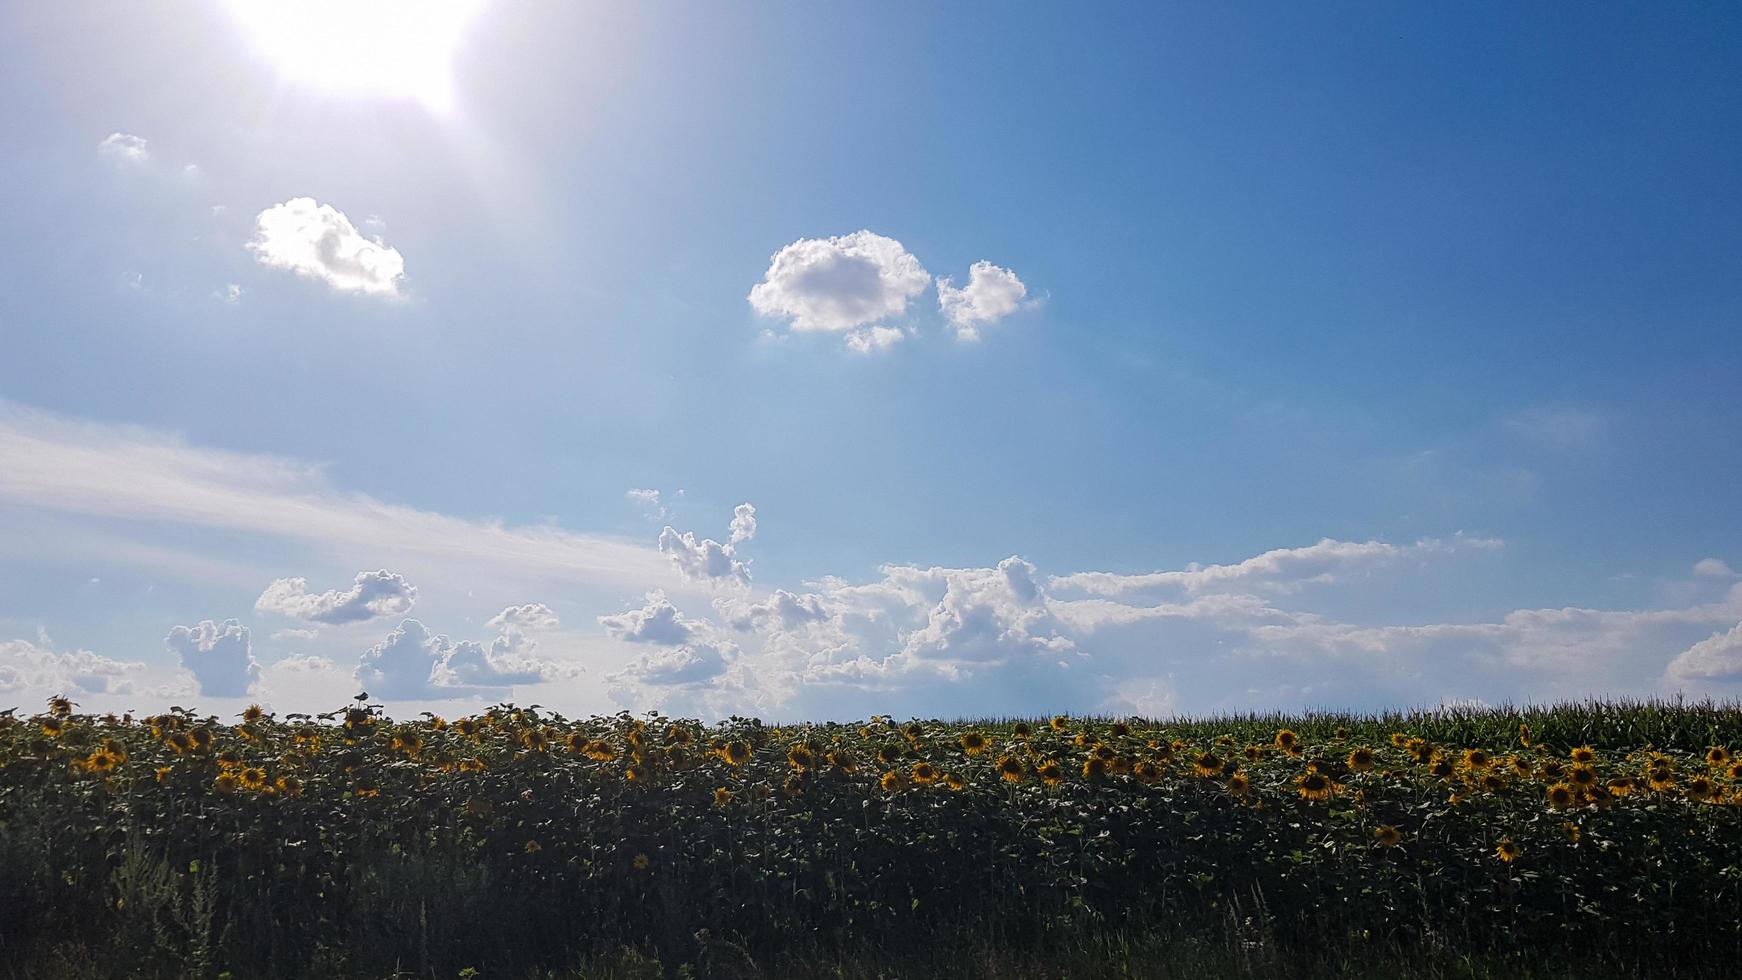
(1238, 784)
(679, 735)
(1443, 769)
(1095, 768)
(1314, 785)
(1010, 768)
(893, 781)
(1385, 835)
(1103, 751)
(1360, 759)
(1050, 772)
(1021, 730)
(1422, 751)
(924, 773)
(843, 761)
(1620, 786)
(1521, 766)
(1493, 782)
(289, 785)
(1508, 850)
(1562, 795)
(600, 750)
(226, 782)
(955, 782)
(1146, 772)
(1582, 776)
(1735, 772)
(800, 757)
(1572, 832)
(889, 754)
(914, 731)
(1207, 764)
(52, 727)
(973, 742)
(163, 773)
(1060, 723)
(1119, 729)
(635, 773)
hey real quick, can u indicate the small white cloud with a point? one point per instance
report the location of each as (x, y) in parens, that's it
(531, 616)
(836, 284)
(319, 242)
(873, 339)
(657, 622)
(704, 560)
(124, 147)
(1713, 568)
(743, 525)
(415, 663)
(992, 293)
(294, 634)
(219, 655)
(372, 595)
(230, 294)
(650, 503)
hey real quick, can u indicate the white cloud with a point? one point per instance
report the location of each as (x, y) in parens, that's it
(656, 622)
(784, 608)
(229, 294)
(837, 284)
(743, 526)
(529, 616)
(1716, 658)
(704, 560)
(651, 503)
(992, 294)
(677, 667)
(37, 669)
(123, 473)
(319, 242)
(872, 339)
(413, 663)
(220, 656)
(372, 595)
(124, 147)
(1281, 569)
(1713, 568)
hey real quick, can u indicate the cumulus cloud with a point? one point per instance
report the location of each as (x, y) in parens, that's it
(38, 669)
(786, 609)
(679, 667)
(413, 662)
(657, 622)
(124, 147)
(1715, 658)
(220, 656)
(704, 560)
(837, 284)
(530, 616)
(872, 339)
(1713, 568)
(743, 526)
(372, 595)
(319, 242)
(992, 293)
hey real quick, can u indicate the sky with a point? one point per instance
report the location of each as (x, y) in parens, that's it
(815, 361)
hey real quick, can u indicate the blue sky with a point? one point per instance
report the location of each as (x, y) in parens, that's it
(1389, 353)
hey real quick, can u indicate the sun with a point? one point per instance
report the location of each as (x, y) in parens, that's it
(384, 48)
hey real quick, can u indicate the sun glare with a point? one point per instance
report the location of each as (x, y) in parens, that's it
(389, 48)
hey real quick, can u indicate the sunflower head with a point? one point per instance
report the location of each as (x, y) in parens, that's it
(225, 783)
(1119, 729)
(1571, 831)
(1717, 756)
(1238, 784)
(60, 707)
(1314, 785)
(801, 757)
(1021, 730)
(252, 714)
(955, 782)
(893, 781)
(1477, 759)
(735, 752)
(1361, 759)
(1508, 850)
(1385, 835)
(1701, 788)
(1060, 723)
(1493, 782)
(843, 761)
(1207, 764)
(1562, 795)
(1146, 771)
(973, 742)
(924, 773)
(722, 796)
(1584, 755)
(1050, 772)
(1095, 768)
(1010, 769)
(1286, 739)
(889, 754)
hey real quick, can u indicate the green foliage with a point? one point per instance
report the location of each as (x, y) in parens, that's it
(521, 840)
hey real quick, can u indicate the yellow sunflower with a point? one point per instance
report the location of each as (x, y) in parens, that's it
(1717, 756)
(924, 773)
(1010, 768)
(1315, 785)
(1146, 772)
(1207, 764)
(800, 757)
(1050, 772)
(1060, 723)
(1584, 754)
(1021, 730)
(722, 796)
(1477, 759)
(1095, 768)
(736, 753)
(1238, 784)
(893, 781)
(973, 742)
(1508, 850)
(1561, 796)
(1361, 759)
(1286, 739)
(1385, 835)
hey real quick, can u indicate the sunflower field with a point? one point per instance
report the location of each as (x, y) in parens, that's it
(1596, 837)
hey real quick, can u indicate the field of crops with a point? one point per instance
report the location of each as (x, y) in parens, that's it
(1580, 840)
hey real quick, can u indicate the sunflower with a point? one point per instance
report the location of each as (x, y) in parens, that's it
(1572, 832)
(1119, 729)
(252, 714)
(1421, 750)
(1164, 753)
(1561, 796)
(253, 777)
(893, 781)
(1477, 759)
(1717, 756)
(1361, 759)
(735, 753)
(1507, 850)
(225, 783)
(100, 761)
(466, 726)
(1207, 764)
(200, 738)
(289, 785)
(1385, 835)
(1238, 784)
(1620, 786)
(1050, 772)
(1520, 766)
(1584, 754)
(800, 757)
(1095, 768)
(1701, 788)
(955, 782)
(1103, 751)
(1443, 768)
(1582, 775)
(1146, 772)
(1315, 785)
(1010, 768)
(163, 773)
(1060, 723)
(843, 761)
(635, 773)
(641, 862)
(1399, 740)
(924, 773)
(973, 742)
(533, 847)
(60, 707)
(1552, 770)
(1493, 782)
(679, 735)
(1661, 778)
(1021, 730)
(1286, 739)
(53, 728)
(1253, 753)
(1524, 735)
(600, 750)
(722, 796)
